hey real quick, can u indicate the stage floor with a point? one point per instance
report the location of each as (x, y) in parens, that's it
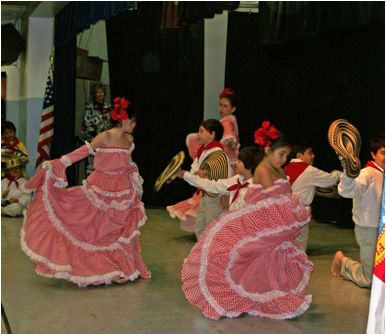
(33, 304)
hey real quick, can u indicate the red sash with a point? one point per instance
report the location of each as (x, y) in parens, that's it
(11, 146)
(13, 180)
(214, 144)
(236, 187)
(373, 165)
(294, 169)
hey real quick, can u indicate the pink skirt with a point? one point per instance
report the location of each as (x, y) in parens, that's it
(84, 234)
(246, 262)
(186, 211)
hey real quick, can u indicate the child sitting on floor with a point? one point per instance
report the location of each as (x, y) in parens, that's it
(14, 198)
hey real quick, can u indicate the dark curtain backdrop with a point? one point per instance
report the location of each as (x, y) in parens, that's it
(303, 82)
(70, 21)
(162, 74)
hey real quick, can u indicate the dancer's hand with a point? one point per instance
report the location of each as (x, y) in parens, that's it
(202, 173)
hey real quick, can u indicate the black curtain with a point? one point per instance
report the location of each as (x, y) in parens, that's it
(162, 74)
(70, 21)
(303, 82)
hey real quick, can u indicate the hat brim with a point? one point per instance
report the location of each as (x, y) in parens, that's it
(170, 171)
(328, 192)
(345, 139)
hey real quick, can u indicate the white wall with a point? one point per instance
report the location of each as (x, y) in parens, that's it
(214, 62)
(39, 48)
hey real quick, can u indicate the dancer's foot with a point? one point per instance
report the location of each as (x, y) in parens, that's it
(120, 280)
(337, 264)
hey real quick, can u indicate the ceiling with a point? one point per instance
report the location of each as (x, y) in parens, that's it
(14, 10)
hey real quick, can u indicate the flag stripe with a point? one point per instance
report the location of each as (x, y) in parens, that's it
(46, 124)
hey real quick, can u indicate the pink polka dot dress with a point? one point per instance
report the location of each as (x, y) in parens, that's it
(246, 260)
(87, 234)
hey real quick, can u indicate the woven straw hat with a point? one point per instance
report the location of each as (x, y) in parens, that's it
(13, 162)
(345, 139)
(170, 172)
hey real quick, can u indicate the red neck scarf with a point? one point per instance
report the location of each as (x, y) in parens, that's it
(236, 187)
(294, 169)
(13, 180)
(373, 165)
(214, 144)
(11, 146)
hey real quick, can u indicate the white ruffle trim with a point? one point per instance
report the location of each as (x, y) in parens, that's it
(65, 160)
(177, 214)
(90, 149)
(274, 294)
(57, 224)
(102, 205)
(119, 150)
(83, 281)
(38, 258)
(283, 316)
(62, 270)
(59, 182)
(213, 231)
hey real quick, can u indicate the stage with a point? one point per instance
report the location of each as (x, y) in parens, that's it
(33, 304)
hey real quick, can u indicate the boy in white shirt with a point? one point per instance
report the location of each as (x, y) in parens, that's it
(236, 186)
(304, 178)
(366, 192)
(14, 198)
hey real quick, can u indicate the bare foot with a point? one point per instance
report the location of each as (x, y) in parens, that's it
(337, 264)
(120, 280)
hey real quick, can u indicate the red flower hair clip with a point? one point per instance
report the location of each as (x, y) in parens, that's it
(264, 135)
(225, 92)
(119, 113)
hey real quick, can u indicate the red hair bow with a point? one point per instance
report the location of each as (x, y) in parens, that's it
(225, 92)
(119, 113)
(264, 135)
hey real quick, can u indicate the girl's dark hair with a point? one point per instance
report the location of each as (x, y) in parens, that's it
(377, 142)
(212, 125)
(233, 99)
(95, 87)
(251, 156)
(7, 125)
(279, 142)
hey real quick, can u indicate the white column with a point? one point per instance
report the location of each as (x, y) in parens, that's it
(39, 48)
(214, 62)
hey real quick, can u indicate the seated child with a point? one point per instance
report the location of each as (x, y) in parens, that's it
(304, 178)
(11, 142)
(366, 192)
(235, 186)
(14, 198)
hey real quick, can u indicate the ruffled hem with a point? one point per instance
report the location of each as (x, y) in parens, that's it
(185, 208)
(56, 257)
(220, 277)
(87, 241)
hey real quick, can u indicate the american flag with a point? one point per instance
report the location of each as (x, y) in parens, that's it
(46, 123)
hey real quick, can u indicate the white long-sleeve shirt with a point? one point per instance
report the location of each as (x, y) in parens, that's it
(16, 192)
(305, 185)
(366, 192)
(221, 186)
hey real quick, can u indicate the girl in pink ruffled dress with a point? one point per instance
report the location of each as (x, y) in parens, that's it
(230, 140)
(186, 210)
(246, 261)
(89, 234)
